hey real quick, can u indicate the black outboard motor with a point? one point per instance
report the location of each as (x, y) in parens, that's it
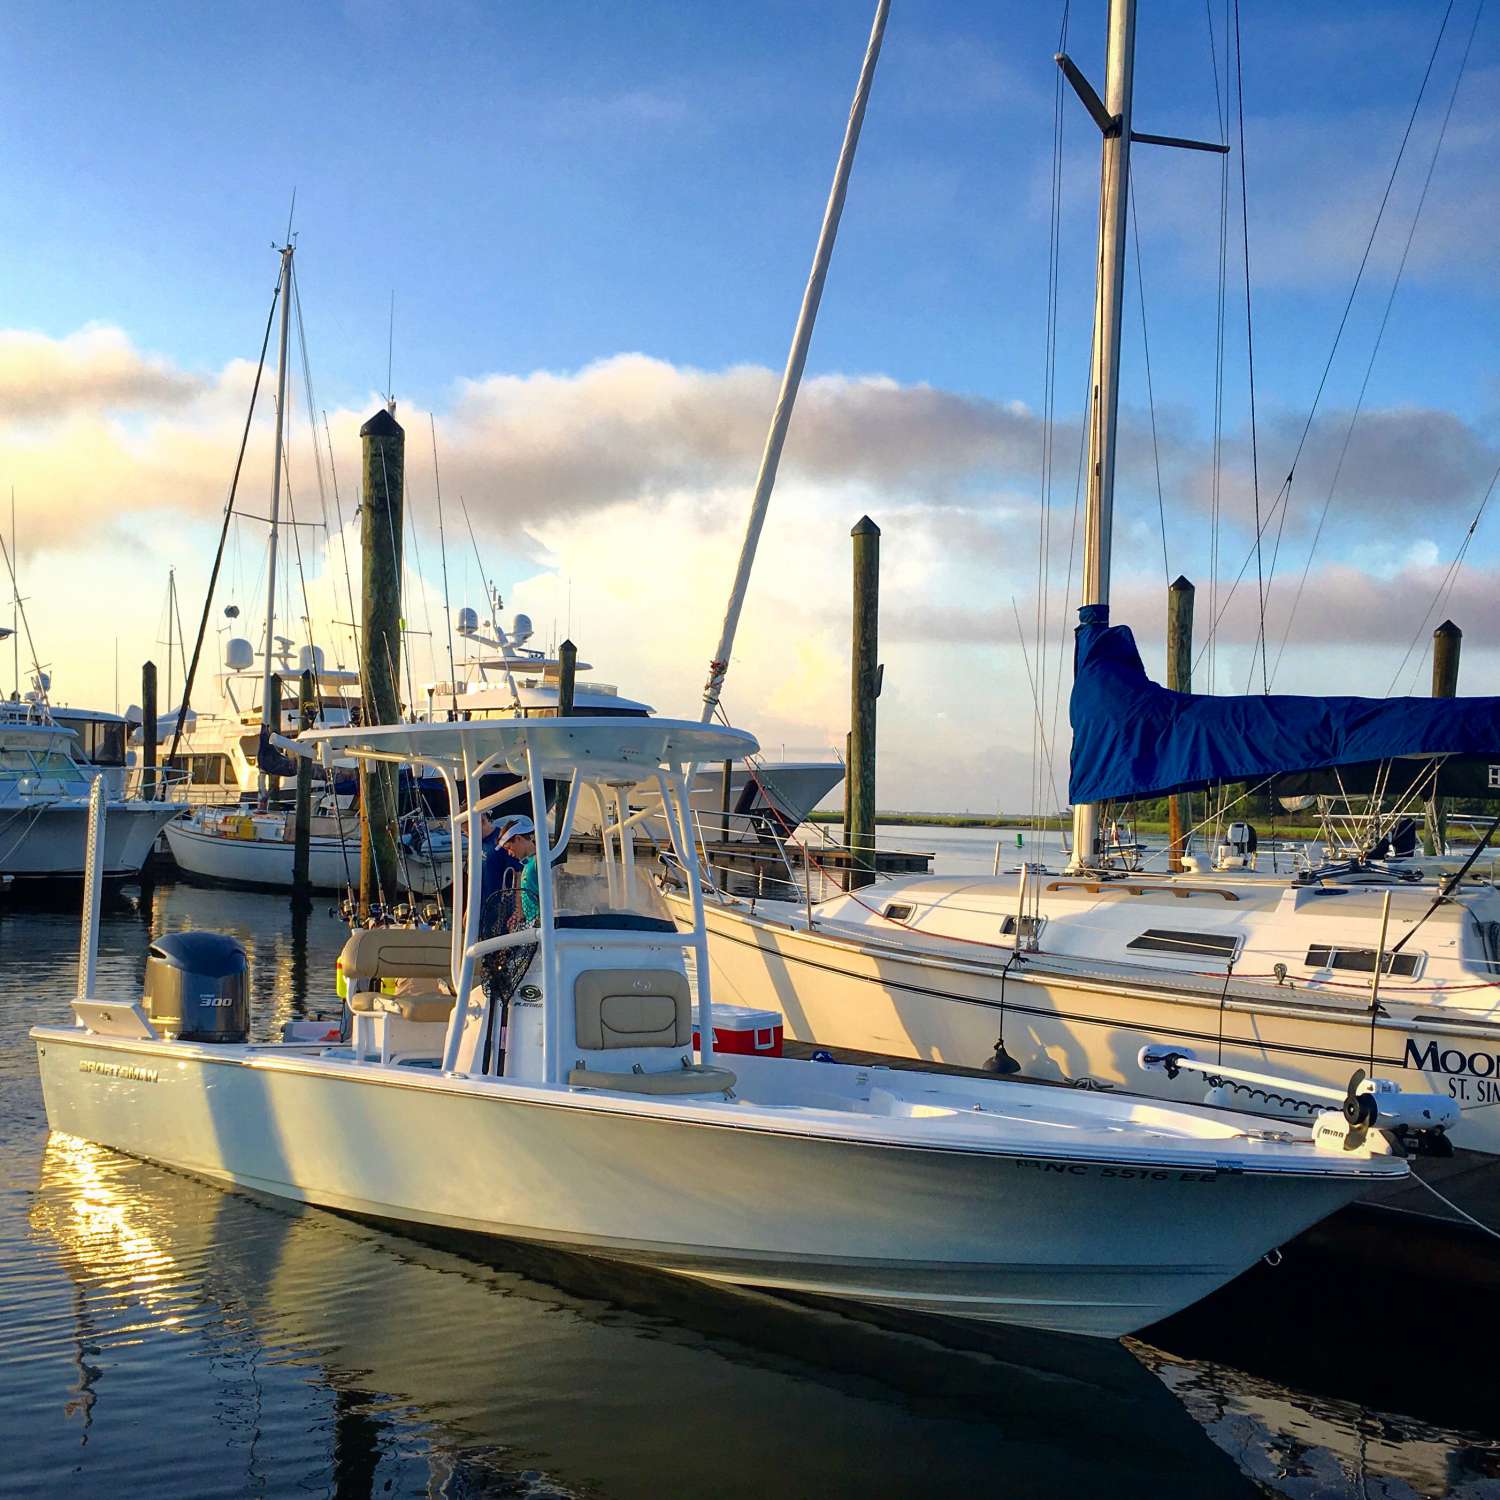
(197, 987)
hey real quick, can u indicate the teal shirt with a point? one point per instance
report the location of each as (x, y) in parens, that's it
(531, 901)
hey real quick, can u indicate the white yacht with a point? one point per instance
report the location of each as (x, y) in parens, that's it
(558, 1098)
(44, 801)
(507, 678)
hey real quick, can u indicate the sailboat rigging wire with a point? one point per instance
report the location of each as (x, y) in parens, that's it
(338, 515)
(1035, 701)
(1448, 886)
(1283, 497)
(1049, 434)
(307, 391)
(1379, 337)
(1446, 586)
(36, 665)
(1239, 59)
(1140, 286)
(213, 577)
(437, 485)
(1221, 109)
(1281, 524)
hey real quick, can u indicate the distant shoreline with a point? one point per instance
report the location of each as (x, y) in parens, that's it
(1055, 824)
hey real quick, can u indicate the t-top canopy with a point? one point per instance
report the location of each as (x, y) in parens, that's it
(603, 749)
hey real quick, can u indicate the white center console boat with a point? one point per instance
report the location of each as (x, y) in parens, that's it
(553, 1094)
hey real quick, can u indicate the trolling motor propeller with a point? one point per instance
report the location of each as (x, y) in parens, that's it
(1360, 1111)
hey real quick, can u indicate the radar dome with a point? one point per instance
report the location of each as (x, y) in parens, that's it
(520, 630)
(466, 620)
(310, 659)
(239, 654)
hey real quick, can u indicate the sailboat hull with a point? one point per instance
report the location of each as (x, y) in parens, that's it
(333, 863)
(1083, 1029)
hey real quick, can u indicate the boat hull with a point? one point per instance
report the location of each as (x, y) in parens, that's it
(1070, 1028)
(333, 863)
(50, 843)
(1010, 1238)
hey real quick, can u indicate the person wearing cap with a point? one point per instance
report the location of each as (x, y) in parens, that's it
(499, 872)
(520, 844)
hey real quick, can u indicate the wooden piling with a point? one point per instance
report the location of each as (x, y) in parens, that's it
(307, 709)
(275, 718)
(148, 731)
(865, 688)
(1180, 680)
(381, 514)
(1447, 643)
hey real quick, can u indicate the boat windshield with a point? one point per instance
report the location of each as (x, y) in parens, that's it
(53, 765)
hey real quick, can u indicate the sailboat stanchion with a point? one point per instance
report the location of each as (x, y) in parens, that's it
(93, 887)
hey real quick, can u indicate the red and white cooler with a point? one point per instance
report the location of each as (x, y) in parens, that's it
(745, 1031)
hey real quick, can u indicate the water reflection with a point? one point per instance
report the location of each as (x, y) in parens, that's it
(435, 1370)
(164, 1335)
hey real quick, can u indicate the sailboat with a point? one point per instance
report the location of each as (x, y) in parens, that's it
(253, 844)
(1066, 975)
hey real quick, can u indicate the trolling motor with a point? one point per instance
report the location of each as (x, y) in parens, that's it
(1414, 1123)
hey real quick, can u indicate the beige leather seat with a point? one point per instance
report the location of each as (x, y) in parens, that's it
(412, 953)
(616, 1009)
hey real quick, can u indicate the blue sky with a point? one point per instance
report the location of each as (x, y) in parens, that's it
(545, 186)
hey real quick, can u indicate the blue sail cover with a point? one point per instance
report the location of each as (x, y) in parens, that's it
(1135, 738)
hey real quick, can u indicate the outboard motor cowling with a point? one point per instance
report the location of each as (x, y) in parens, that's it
(197, 987)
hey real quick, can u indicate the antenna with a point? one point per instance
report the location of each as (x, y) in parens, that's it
(291, 213)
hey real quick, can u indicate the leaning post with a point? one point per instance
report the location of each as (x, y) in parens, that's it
(865, 688)
(1447, 642)
(1180, 680)
(148, 731)
(383, 444)
(307, 709)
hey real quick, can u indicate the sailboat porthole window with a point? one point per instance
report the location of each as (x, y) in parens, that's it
(1362, 960)
(896, 911)
(1186, 944)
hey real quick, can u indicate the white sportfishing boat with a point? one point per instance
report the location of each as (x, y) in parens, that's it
(1066, 975)
(558, 1099)
(507, 678)
(44, 803)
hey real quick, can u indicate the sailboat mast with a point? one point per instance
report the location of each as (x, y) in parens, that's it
(266, 708)
(1104, 384)
(171, 605)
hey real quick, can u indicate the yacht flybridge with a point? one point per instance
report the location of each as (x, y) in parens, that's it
(546, 1087)
(509, 678)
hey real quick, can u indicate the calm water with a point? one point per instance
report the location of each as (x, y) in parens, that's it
(163, 1336)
